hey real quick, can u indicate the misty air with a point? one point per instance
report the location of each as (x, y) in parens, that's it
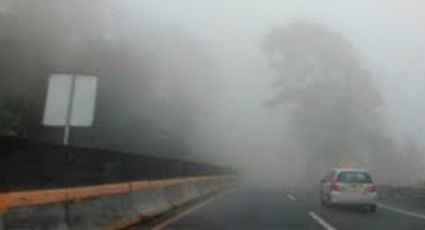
(199, 114)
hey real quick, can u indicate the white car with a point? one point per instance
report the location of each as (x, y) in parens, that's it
(348, 187)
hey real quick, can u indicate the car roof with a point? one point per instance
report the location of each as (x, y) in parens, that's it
(338, 170)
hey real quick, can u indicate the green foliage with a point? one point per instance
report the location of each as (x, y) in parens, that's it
(10, 122)
(336, 111)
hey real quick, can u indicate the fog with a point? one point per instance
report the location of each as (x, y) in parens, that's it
(209, 61)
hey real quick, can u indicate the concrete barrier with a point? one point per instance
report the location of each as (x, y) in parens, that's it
(49, 216)
(99, 212)
(111, 206)
(47, 186)
(200, 188)
(148, 203)
(174, 194)
(204, 187)
(191, 190)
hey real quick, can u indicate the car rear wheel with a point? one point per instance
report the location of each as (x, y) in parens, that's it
(372, 208)
(322, 202)
(329, 202)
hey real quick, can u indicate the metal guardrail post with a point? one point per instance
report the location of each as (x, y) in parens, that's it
(1, 221)
(401, 191)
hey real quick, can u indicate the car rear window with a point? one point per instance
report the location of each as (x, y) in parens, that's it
(354, 177)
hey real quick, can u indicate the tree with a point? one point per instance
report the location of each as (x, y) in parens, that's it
(335, 113)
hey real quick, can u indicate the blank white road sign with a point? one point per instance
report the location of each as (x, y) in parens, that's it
(84, 100)
(59, 98)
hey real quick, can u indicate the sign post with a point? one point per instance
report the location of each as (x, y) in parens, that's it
(70, 102)
(69, 112)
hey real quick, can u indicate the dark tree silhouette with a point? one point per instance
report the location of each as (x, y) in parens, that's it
(335, 111)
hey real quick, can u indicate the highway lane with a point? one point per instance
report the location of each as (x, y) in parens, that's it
(349, 218)
(287, 208)
(248, 208)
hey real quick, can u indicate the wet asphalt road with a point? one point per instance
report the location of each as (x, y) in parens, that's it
(251, 208)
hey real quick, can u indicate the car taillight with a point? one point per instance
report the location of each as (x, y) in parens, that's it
(372, 187)
(334, 186)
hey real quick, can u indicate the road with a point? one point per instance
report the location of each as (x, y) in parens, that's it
(289, 208)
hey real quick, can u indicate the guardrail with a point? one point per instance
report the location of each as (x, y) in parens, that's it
(413, 197)
(45, 186)
(27, 165)
(401, 191)
(109, 206)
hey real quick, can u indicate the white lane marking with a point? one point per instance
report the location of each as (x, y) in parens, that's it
(179, 216)
(321, 221)
(401, 211)
(291, 197)
(166, 223)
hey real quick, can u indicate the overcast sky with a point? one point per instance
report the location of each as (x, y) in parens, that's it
(387, 35)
